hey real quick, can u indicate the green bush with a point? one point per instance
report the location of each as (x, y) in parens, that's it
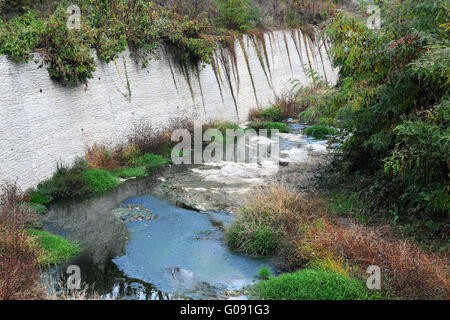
(309, 284)
(37, 198)
(130, 172)
(255, 239)
(72, 182)
(272, 114)
(150, 161)
(391, 102)
(67, 52)
(264, 273)
(56, 248)
(319, 132)
(20, 37)
(100, 180)
(67, 182)
(107, 26)
(281, 127)
(237, 14)
(37, 207)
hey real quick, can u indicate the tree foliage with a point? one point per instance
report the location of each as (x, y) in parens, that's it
(392, 101)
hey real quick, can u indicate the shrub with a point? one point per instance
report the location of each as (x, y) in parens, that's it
(258, 125)
(19, 253)
(67, 182)
(56, 248)
(272, 114)
(254, 115)
(237, 14)
(221, 126)
(36, 197)
(100, 180)
(264, 273)
(255, 240)
(66, 51)
(99, 157)
(312, 284)
(36, 207)
(20, 37)
(319, 132)
(271, 222)
(150, 161)
(147, 139)
(315, 103)
(390, 101)
(407, 271)
(130, 173)
(124, 154)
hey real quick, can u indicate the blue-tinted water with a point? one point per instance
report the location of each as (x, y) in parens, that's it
(181, 252)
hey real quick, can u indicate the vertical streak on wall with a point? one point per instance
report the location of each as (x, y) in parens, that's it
(227, 68)
(187, 77)
(298, 48)
(271, 41)
(256, 44)
(323, 63)
(244, 52)
(231, 46)
(306, 48)
(217, 75)
(326, 49)
(197, 74)
(169, 62)
(288, 53)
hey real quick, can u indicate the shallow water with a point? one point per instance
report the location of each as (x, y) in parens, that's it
(174, 253)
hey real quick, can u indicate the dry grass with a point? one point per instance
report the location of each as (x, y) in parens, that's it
(407, 271)
(285, 106)
(143, 139)
(307, 236)
(19, 252)
(61, 292)
(149, 139)
(254, 115)
(99, 157)
(281, 215)
(290, 107)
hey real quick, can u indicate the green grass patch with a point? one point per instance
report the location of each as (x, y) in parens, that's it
(255, 240)
(126, 173)
(150, 161)
(281, 127)
(56, 248)
(310, 284)
(37, 207)
(320, 132)
(100, 180)
(272, 114)
(264, 273)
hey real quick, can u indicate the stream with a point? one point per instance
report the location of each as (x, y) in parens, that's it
(151, 247)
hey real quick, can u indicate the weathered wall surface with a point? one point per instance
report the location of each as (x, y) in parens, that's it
(42, 122)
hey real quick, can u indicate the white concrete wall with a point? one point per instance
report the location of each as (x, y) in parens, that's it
(42, 122)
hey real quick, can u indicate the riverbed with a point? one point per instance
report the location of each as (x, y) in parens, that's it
(170, 233)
